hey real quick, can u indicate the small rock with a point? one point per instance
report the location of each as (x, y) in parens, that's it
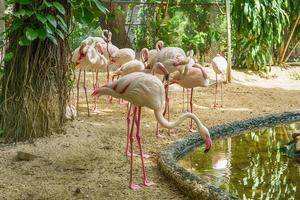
(298, 146)
(77, 191)
(25, 156)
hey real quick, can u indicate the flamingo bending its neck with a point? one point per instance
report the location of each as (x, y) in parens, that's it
(142, 89)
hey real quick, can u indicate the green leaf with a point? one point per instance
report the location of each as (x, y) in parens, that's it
(24, 1)
(60, 34)
(49, 29)
(20, 13)
(62, 23)
(31, 34)
(8, 56)
(52, 20)
(52, 38)
(59, 7)
(24, 41)
(42, 33)
(87, 15)
(100, 6)
(47, 4)
(41, 18)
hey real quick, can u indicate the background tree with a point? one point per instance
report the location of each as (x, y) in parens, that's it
(2, 26)
(34, 84)
(263, 31)
(115, 21)
(197, 25)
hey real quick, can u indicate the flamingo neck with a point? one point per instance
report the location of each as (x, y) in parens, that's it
(165, 123)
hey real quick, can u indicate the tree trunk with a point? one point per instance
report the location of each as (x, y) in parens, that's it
(290, 38)
(2, 9)
(34, 91)
(2, 25)
(117, 24)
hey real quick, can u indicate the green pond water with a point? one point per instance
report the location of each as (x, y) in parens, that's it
(250, 165)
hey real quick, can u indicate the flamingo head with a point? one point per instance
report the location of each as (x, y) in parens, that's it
(82, 53)
(221, 53)
(99, 48)
(97, 92)
(145, 54)
(208, 144)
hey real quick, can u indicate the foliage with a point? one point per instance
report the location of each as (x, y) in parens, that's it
(188, 26)
(46, 19)
(259, 30)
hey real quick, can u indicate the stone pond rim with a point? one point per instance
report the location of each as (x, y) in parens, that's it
(192, 185)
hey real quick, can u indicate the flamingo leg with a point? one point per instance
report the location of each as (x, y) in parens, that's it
(132, 185)
(168, 107)
(183, 99)
(78, 81)
(96, 85)
(187, 97)
(138, 125)
(93, 80)
(215, 105)
(127, 153)
(222, 93)
(191, 109)
(86, 97)
(107, 74)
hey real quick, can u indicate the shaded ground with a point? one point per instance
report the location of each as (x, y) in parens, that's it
(86, 160)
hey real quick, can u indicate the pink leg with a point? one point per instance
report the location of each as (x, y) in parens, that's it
(96, 85)
(167, 109)
(107, 74)
(131, 184)
(78, 81)
(86, 97)
(93, 81)
(215, 104)
(169, 130)
(222, 93)
(191, 109)
(187, 97)
(146, 181)
(183, 100)
(127, 153)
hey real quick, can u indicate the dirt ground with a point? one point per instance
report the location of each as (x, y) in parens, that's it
(87, 161)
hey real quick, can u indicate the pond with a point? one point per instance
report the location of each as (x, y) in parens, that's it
(250, 165)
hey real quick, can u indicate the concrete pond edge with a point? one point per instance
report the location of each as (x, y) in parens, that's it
(192, 185)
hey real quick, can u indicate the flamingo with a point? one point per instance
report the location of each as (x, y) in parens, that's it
(86, 57)
(105, 44)
(142, 89)
(129, 67)
(172, 59)
(122, 56)
(219, 65)
(192, 77)
(147, 55)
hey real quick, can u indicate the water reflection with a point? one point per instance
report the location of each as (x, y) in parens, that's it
(250, 165)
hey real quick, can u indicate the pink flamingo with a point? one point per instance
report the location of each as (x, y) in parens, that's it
(192, 77)
(86, 57)
(122, 56)
(147, 55)
(129, 67)
(219, 65)
(142, 89)
(172, 59)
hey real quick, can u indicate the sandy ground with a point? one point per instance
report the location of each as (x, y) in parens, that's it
(87, 161)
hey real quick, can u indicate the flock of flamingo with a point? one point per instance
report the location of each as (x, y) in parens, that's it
(137, 84)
